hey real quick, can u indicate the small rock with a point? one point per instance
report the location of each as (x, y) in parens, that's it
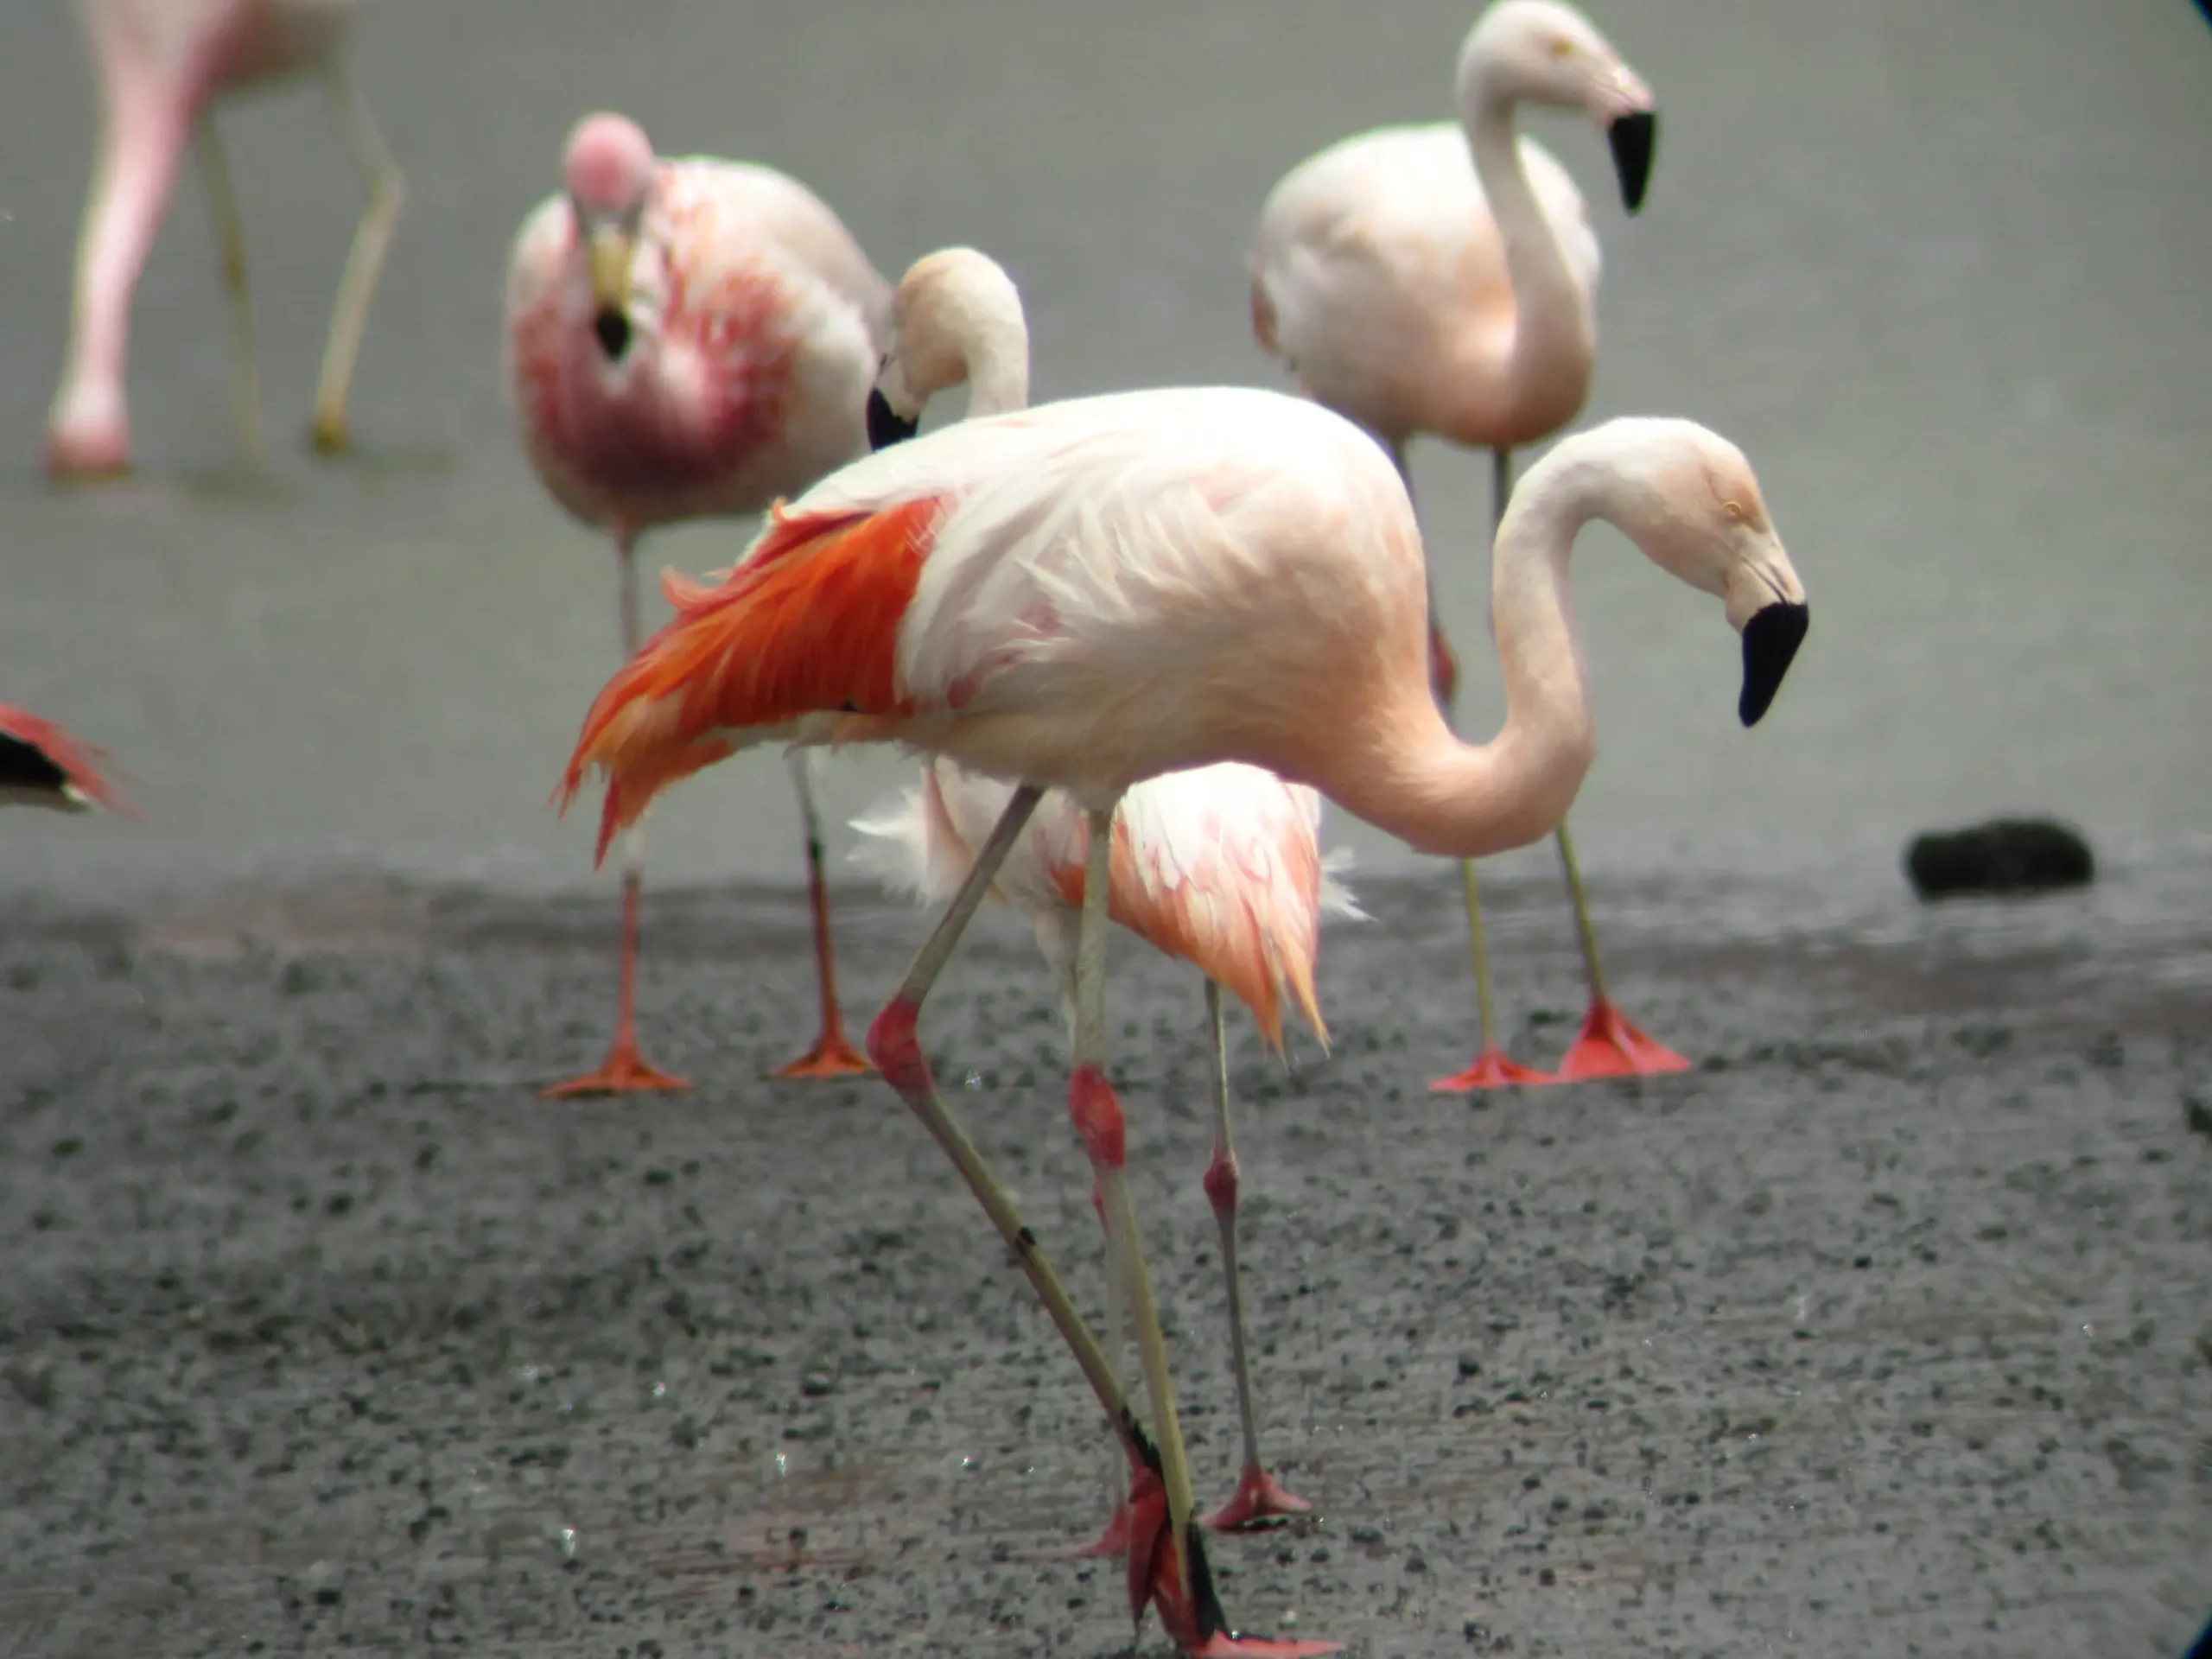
(2006, 856)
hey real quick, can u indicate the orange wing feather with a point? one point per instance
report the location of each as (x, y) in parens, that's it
(808, 625)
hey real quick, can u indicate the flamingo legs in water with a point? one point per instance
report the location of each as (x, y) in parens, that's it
(1258, 1497)
(230, 245)
(832, 1056)
(349, 317)
(1608, 1045)
(1168, 1562)
(624, 1071)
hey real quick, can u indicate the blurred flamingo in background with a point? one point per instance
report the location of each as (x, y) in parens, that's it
(1441, 279)
(1221, 866)
(41, 765)
(687, 339)
(163, 66)
(1096, 592)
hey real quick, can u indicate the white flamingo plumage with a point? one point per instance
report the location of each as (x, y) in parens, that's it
(688, 339)
(1443, 278)
(1093, 593)
(1220, 865)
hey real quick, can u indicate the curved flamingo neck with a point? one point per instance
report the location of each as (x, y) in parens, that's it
(998, 373)
(1546, 371)
(993, 340)
(1418, 782)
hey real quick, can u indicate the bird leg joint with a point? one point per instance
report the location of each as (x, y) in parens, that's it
(896, 1050)
(1097, 1117)
(1221, 1180)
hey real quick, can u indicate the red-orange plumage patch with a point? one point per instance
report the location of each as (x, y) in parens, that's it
(808, 625)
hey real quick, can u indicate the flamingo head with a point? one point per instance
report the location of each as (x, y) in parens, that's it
(952, 308)
(1547, 52)
(608, 171)
(1688, 497)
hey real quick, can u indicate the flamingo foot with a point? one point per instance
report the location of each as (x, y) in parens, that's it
(327, 434)
(1183, 1591)
(1610, 1046)
(831, 1057)
(1257, 1497)
(86, 452)
(1490, 1069)
(1114, 1540)
(623, 1072)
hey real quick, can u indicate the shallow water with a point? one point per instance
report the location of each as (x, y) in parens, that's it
(1940, 270)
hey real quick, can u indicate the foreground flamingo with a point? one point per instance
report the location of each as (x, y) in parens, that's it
(163, 66)
(1091, 594)
(687, 339)
(1221, 866)
(40, 764)
(1441, 279)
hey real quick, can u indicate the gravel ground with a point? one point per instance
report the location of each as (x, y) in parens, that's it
(1883, 1331)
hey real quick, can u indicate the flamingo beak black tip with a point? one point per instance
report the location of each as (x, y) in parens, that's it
(886, 426)
(1633, 138)
(1771, 642)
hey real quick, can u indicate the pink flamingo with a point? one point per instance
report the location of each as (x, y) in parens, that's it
(163, 66)
(1221, 866)
(41, 765)
(1441, 279)
(1090, 593)
(685, 338)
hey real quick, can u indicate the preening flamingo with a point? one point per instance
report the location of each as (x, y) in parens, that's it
(1090, 593)
(162, 66)
(41, 765)
(688, 339)
(1221, 866)
(1441, 279)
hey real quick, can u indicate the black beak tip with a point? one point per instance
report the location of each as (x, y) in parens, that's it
(613, 329)
(886, 426)
(1771, 642)
(1634, 139)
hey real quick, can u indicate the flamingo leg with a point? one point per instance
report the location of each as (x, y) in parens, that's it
(1490, 1069)
(349, 316)
(230, 246)
(1258, 1497)
(624, 1070)
(832, 1056)
(1115, 1539)
(1608, 1044)
(1178, 1585)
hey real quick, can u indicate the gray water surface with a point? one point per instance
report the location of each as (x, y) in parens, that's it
(1940, 270)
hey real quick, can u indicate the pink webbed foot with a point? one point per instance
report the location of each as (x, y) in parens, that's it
(623, 1072)
(81, 452)
(1257, 1498)
(831, 1057)
(1182, 1590)
(1609, 1046)
(1490, 1069)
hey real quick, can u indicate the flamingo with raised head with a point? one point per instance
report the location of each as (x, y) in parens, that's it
(162, 66)
(1442, 279)
(1093, 593)
(687, 339)
(41, 765)
(1221, 866)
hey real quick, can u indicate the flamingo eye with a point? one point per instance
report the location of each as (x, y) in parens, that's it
(1560, 46)
(1734, 510)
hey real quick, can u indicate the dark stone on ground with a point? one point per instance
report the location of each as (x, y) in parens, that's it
(2008, 855)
